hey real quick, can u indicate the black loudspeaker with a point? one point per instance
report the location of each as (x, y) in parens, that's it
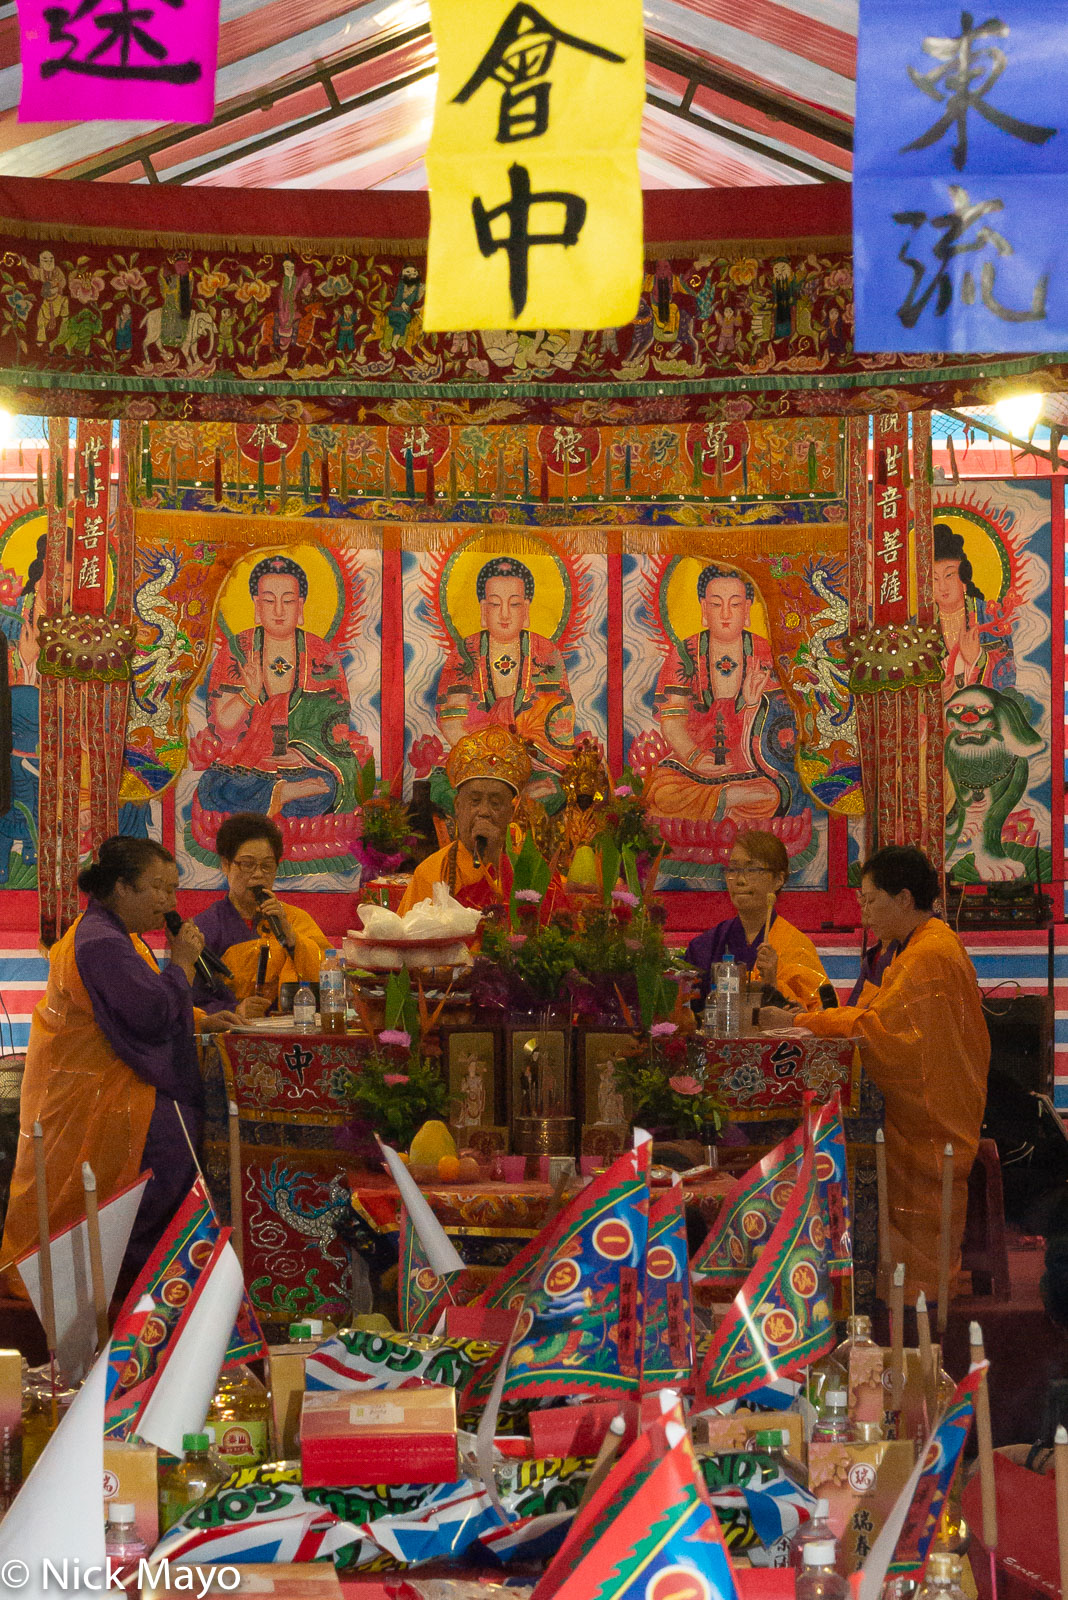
(1021, 1039)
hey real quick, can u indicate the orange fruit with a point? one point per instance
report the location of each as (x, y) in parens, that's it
(469, 1171)
(449, 1168)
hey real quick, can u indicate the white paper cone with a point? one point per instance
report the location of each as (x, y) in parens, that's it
(183, 1391)
(441, 1253)
(59, 1511)
(73, 1283)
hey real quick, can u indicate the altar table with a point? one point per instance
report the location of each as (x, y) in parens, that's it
(299, 1176)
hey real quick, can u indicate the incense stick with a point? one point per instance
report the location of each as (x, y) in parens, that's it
(768, 917)
(985, 1442)
(897, 1336)
(237, 1207)
(96, 1257)
(605, 1456)
(44, 1248)
(1060, 1467)
(945, 1240)
(928, 1371)
(884, 1205)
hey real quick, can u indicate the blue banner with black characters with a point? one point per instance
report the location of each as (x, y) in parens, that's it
(961, 177)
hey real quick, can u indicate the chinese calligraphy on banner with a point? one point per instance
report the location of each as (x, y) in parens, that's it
(960, 177)
(535, 195)
(89, 560)
(890, 519)
(113, 60)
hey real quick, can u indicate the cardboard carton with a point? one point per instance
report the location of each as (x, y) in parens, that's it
(387, 1436)
(860, 1483)
(131, 1475)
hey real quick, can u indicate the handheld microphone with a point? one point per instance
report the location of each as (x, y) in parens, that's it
(273, 921)
(261, 966)
(209, 968)
(828, 997)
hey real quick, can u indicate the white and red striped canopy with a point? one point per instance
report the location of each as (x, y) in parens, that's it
(337, 94)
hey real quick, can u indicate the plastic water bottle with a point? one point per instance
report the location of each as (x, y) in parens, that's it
(331, 993)
(304, 1009)
(123, 1546)
(730, 987)
(943, 1577)
(818, 1579)
(834, 1425)
(817, 1530)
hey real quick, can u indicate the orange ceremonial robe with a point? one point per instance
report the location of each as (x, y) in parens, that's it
(923, 1041)
(90, 1104)
(800, 971)
(475, 886)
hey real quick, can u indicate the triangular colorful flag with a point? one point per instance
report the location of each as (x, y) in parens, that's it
(655, 1534)
(611, 1499)
(185, 1381)
(57, 1514)
(667, 1307)
(428, 1263)
(940, 1462)
(823, 1126)
(169, 1278)
(422, 1294)
(749, 1214)
(780, 1320)
(578, 1330)
(72, 1282)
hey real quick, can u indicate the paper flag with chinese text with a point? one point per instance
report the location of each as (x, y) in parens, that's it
(780, 1320)
(749, 1214)
(535, 193)
(84, 63)
(579, 1330)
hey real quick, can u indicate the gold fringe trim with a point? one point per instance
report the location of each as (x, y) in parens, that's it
(62, 234)
(746, 539)
(152, 239)
(742, 539)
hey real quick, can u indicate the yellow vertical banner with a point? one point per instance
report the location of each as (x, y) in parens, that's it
(535, 194)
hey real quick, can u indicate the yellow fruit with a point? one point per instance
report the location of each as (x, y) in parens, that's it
(468, 1172)
(402, 1155)
(431, 1143)
(422, 1172)
(449, 1169)
(583, 873)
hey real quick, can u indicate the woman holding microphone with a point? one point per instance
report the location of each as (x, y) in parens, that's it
(111, 1070)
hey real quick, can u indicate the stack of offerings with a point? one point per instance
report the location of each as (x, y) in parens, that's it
(447, 1453)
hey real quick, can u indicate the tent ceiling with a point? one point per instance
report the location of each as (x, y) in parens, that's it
(338, 94)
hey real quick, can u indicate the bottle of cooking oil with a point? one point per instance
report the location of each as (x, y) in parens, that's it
(185, 1483)
(239, 1414)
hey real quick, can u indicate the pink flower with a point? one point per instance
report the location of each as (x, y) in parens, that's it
(662, 1030)
(427, 752)
(623, 790)
(684, 1085)
(393, 1078)
(517, 940)
(528, 897)
(624, 897)
(395, 1036)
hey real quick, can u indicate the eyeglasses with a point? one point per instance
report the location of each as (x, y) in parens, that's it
(745, 869)
(250, 864)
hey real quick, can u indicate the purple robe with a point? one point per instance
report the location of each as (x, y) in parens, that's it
(222, 926)
(873, 963)
(715, 943)
(146, 1016)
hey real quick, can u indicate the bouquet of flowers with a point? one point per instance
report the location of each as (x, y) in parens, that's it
(395, 1089)
(387, 841)
(663, 1095)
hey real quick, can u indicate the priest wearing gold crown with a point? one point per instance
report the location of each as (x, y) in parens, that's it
(488, 771)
